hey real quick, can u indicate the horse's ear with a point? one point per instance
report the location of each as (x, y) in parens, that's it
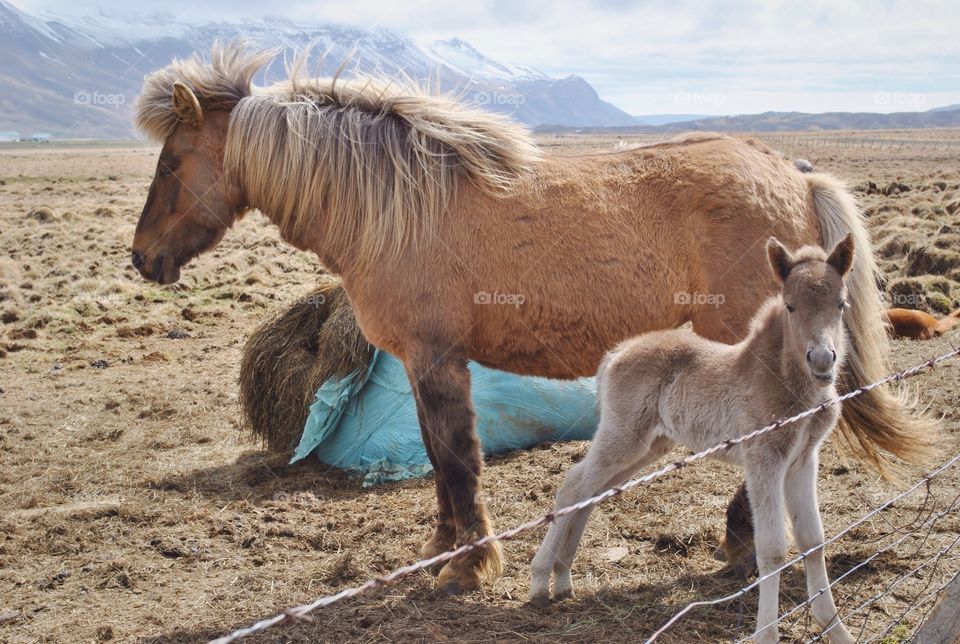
(780, 260)
(186, 105)
(841, 258)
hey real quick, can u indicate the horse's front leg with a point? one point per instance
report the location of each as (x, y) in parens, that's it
(445, 536)
(441, 387)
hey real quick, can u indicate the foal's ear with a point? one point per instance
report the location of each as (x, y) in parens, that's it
(780, 260)
(186, 105)
(841, 258)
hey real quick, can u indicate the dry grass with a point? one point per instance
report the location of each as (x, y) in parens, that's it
(133, 509)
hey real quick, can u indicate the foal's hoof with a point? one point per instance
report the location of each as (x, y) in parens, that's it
(564, 595)
(720, 554)
(540, 600)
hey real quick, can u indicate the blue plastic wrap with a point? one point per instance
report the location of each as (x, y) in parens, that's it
(367, 422)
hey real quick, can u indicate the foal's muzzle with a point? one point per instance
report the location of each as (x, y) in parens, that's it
(822, 361)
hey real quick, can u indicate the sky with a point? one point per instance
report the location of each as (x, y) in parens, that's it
(663, 57)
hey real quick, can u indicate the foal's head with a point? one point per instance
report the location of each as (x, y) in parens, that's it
(814, 298)
(192, 201)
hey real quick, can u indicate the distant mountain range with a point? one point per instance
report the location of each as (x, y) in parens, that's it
(78, 77)
(947, 116)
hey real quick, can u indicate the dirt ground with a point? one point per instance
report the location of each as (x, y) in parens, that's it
(133, 508)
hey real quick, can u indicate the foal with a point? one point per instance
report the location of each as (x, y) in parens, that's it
(670, 387)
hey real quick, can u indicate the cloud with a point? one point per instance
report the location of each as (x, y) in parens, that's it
(683, 56)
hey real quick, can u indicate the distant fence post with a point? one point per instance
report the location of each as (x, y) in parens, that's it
(943, 627)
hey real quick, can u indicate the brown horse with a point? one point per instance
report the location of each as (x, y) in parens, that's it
(917, 325)
(457, 240)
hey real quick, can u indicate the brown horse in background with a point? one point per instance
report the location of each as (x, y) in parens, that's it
(457, 240)
(918, 325)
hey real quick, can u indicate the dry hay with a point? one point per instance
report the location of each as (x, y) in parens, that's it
(288, 357)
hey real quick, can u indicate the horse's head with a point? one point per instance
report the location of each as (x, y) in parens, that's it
(192, 201)
(814, 297)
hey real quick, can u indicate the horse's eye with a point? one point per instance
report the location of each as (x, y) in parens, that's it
(791, 308)
(165, 171)
(843, 304)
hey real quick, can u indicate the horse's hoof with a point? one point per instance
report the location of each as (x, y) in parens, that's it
(454, 579)
(433, 548)
(451, 588)
(540, 600)
(720, 554)
(744, 567)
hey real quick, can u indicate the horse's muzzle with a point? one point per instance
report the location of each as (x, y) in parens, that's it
(164, 270)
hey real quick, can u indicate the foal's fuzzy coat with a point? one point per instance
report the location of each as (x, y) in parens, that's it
(676, 387)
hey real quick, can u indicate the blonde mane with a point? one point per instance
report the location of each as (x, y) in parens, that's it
(379, 161)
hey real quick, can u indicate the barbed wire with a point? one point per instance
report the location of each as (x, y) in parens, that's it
(301, 613)
(928, 523)
(935, 559)
(740, 592)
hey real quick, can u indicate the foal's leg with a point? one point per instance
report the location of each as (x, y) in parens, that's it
(729, 322)
(441, 387)
(765, 480)
(801, 495)
(617, 452)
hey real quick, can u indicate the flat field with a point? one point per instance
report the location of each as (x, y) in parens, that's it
(134, 508)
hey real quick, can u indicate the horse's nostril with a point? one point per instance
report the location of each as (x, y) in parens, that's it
(833, 355)
(137, 260)
(809, 355)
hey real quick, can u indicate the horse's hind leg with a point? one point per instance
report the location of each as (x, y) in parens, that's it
(617, 452)
(441, 387)
(801, 496)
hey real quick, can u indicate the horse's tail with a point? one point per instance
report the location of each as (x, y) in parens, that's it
(882, 419)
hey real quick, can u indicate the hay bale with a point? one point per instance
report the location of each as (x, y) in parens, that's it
(287, 358)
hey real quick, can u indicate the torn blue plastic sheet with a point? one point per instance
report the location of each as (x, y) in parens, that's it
(367, 422)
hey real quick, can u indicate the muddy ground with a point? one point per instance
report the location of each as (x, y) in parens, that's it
(133, 508)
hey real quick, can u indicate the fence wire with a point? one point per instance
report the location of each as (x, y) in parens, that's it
(301, 613)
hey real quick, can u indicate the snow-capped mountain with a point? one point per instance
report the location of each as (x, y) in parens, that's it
(78, 76)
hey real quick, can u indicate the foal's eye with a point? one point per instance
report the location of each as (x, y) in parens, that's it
(791, 308)
(843, 304)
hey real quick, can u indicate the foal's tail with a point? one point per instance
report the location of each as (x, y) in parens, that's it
(882, 419)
